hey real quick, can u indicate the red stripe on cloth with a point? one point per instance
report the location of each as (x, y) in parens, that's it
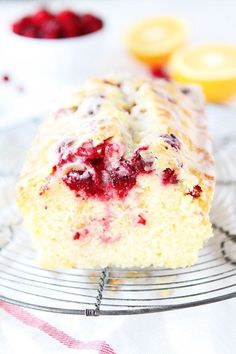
(30, 320)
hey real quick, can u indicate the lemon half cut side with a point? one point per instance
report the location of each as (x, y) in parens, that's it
(213, 66)
(153, 40)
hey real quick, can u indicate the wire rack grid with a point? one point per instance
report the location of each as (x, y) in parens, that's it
(114, 291)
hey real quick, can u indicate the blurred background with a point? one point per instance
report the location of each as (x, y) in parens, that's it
(36, 71)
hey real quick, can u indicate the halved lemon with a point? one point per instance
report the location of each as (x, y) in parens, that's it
(153, 40)
(213, 66)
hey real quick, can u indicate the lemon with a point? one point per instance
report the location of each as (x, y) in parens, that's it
(213, 66)
(153, 40)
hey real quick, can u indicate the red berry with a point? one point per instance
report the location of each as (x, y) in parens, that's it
(160, 72)
(76, 236)
(196, 191)
(97, 179)
(16, 27)
(44, 24)
(5, 78)
(169, 176)
(25, 27)
(51, 30)
(19, 26)
(41, 17)
(70, 23)
(67, 16)
(141, 220)
(72, 29)
(29, 31)
(90, 23)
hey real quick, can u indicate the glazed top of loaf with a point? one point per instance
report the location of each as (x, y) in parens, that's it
(164, 121)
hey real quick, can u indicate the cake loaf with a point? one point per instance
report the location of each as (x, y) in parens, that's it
(120, 176)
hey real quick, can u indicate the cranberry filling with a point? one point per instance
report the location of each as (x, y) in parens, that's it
(76, 236)
(172, 140)
(99, 178)
(141, 220)
(169, 176)
(196, 191)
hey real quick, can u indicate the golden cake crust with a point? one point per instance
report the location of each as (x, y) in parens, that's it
(164, 124)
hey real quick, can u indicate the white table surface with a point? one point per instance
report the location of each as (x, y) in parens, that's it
(204, 330)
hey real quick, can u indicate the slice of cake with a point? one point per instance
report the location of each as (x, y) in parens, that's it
(122, 176)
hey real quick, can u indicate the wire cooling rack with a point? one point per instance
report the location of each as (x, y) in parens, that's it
(115, 291)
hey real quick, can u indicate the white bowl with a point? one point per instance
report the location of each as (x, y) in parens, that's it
(67, 61)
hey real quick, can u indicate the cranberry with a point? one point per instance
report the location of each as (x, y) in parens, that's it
(41, 17)
(99, 179)
(44, 24)
(160, 72)
(172, 140)
(67, 16)
(123, 178)
(6, 78)
(71, 29)
(29, 31)
(16, 27)
(19, 26)
(85, 182)
(51, 30)
(91, 153)
(90, 23)
(141, 220)
(169, 176)
(70, 23)
(196, 191)
(139, 163)
(76, 236)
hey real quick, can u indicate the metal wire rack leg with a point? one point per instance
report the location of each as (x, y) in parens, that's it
(95, 312)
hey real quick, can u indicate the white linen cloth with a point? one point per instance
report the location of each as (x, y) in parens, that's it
(206, 330)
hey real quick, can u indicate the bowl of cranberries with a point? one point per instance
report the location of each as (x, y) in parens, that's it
(56, 47)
